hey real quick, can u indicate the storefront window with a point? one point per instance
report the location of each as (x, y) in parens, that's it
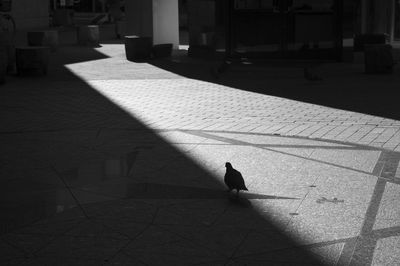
(86, 6)
(315, 5)
(288, 28)
(254, 4)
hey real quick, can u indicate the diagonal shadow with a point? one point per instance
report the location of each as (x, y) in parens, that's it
(53, 147)
(165, 191)
(344, 86)
(162, 191)
(209, 135)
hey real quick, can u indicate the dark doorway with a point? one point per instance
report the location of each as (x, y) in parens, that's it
(397, 21)
(296, 29)
(183, 23)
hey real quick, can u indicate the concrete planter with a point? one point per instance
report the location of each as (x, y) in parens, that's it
(138, 48)
(32, 60)
(44, 38)
(89, 35)
(162, 50)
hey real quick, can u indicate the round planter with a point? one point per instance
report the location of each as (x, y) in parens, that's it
(138, 48)
(89, 35)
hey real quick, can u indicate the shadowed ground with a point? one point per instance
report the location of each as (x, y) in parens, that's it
(121, 163)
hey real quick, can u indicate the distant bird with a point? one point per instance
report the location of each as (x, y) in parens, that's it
(308, 75)
(216, 72)
(234, 179)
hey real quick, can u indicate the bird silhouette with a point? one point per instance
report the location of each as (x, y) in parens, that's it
(234, 179)
(217, 71)
(308, 75)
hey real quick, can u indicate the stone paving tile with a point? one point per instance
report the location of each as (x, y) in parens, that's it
(346, 134)
(95, 248)
(298, 129)
(285, 129)
(310, 130)
(369, 137)
(386, 135)
(10, 252)
(335, 132)
(322, 131)
(389, 246)
(262, 128)
(394, 139)
(386, 213)
(360, 133)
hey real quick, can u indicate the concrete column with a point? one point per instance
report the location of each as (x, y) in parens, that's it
(392, 19)
(201, 19)
(364, 16)
(381, 16)
(153, 18)
(139, 17)
(166, 22)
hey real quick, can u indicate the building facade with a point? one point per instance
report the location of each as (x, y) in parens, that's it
(28, 14)
(289, 28)
(271, 28)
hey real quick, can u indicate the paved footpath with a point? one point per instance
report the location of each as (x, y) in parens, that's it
(168, 100)
(110, 162)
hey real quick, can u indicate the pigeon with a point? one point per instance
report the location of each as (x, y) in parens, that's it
(234, 179)
(308, 75)
(216, 72)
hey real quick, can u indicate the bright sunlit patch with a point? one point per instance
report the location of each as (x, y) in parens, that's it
(183, 47)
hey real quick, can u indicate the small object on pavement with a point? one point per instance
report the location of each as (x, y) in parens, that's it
(218, 70)
(334, 200)
(234, 179)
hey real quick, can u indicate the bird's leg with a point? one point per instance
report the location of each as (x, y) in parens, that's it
(237, 193)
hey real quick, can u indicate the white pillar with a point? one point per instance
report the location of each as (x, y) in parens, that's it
(166, 22)
(158, 19)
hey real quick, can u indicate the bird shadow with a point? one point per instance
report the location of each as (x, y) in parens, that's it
(243, 199)
(239, 201)
(171, 191)
(262, 196)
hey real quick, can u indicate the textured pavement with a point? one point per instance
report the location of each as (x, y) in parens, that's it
(110, 162)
